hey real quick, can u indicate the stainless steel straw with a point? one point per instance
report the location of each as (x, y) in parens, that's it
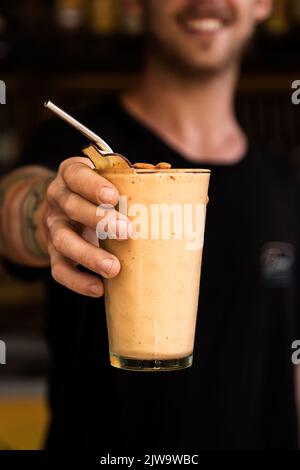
(80, 127)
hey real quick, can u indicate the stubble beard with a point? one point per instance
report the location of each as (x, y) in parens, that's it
(166, 57)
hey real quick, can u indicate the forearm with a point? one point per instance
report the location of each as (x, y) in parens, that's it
(23, 237)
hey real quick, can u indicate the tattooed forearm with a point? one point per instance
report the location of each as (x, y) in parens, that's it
(22, 206)
(28, 210)
(6, 183)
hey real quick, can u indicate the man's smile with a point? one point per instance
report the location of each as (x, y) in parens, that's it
(204, 25)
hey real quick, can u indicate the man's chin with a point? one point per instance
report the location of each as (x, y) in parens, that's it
(201, 69)
(208, 67)
(196, 65)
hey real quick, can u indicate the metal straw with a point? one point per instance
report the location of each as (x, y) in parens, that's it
(80, 127)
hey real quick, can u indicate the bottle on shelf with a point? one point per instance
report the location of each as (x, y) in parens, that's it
(70, 15)
(104, 16)
(279, 23)
(132, 21)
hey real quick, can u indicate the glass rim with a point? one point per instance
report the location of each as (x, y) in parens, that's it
(154, 170)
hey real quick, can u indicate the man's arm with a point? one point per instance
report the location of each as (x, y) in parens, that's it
(23, 237)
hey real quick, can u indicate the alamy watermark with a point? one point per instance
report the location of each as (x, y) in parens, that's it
(154, 221)
(296, 92)
(2, 92)
(2, 352)
(296, 353)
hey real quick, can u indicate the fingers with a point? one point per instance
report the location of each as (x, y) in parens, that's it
(72, 246)
(76, 191)
(66, 273)
(82, 180)
(80, 210)
(77, 208)
(72, 199)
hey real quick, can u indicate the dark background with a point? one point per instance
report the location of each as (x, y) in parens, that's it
(73, 52)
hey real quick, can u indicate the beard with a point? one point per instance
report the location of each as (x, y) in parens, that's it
(179, 63)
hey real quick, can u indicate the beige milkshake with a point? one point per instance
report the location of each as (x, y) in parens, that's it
(151, 305)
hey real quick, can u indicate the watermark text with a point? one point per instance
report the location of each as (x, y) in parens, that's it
(154, 221)
(296, 353)
(296, 92)
(2, 352)
(2, 92)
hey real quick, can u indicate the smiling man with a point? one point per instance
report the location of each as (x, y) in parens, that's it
(240, 392)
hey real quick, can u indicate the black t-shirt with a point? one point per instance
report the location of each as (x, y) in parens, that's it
(239, 393)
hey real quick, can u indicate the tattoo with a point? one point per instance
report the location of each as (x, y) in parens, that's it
(34, 198)
(33, 183)
(6, 184)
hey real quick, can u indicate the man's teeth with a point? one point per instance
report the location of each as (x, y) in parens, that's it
(205, 25)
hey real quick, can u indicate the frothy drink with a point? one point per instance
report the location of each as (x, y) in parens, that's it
(151, 305)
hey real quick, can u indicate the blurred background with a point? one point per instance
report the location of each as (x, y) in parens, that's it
(74, 51)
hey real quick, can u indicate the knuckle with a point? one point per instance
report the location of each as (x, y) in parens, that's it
(72, 170)
(64, 164)
(70, 205)
(51, 191)
(57, 238)
(69, 163)
(49, 221)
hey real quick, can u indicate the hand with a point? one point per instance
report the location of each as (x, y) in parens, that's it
(71, 220)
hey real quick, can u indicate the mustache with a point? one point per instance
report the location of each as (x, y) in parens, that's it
(218, 9)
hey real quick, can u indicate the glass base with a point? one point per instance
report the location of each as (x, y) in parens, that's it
(150, 365)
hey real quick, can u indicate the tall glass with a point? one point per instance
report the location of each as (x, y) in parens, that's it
(151, 305)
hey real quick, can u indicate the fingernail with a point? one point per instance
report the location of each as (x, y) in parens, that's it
(95, 290)
(107, 194)
(106, 265)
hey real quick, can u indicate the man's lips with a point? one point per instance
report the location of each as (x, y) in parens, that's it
(204, 25)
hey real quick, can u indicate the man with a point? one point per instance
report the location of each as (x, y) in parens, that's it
(240, 391)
